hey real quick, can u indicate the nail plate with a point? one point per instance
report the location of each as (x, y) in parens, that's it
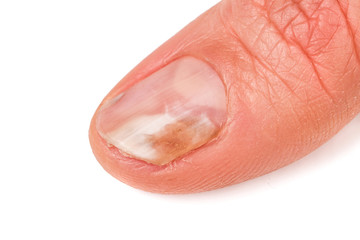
(177, 109)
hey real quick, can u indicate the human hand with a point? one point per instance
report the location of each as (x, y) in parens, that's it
(283, 77)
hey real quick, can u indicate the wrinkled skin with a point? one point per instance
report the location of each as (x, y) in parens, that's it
(291, 72)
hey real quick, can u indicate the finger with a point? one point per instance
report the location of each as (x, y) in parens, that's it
(248, 87)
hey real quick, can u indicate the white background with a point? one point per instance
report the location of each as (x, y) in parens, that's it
(58, 59)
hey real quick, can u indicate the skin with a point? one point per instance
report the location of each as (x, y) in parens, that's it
(292, 77)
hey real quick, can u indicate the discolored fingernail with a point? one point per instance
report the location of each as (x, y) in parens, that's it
(177, 109)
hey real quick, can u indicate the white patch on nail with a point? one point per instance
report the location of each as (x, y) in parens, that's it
(133, 136)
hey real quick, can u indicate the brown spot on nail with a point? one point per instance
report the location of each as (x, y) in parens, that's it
(178, 138)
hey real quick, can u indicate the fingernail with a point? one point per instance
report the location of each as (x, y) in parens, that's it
(177, 109)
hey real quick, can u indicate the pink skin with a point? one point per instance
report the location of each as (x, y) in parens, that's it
(292, 77)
